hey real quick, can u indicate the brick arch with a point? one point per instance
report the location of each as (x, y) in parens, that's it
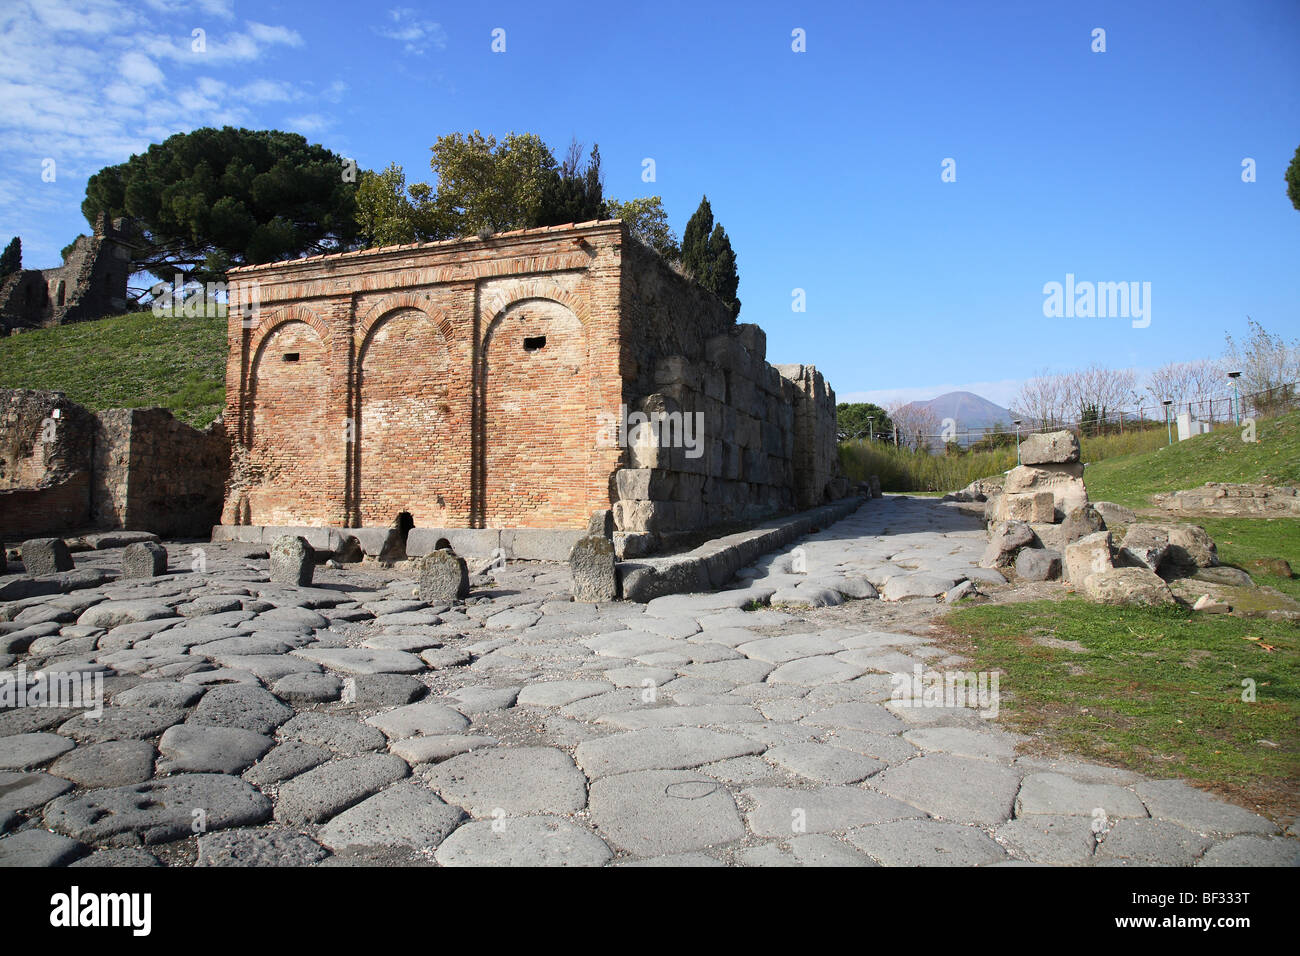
(292, 313)
(382, 309)
(526, 289)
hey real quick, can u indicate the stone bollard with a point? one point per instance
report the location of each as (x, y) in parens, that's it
(594, 570)
(875, 486)
(443, 577)
(144, 559)
(46, 556)
(601, 524)
(292, 560)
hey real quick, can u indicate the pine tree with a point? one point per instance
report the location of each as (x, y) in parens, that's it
(11, 260)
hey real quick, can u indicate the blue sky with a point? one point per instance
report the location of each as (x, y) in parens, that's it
(824, 166)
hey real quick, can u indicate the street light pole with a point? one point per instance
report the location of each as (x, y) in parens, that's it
(1168, 423)
(1016, 422)
(1236, 396)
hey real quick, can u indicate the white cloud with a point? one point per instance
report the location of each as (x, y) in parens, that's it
(90, 82)
(416, 35)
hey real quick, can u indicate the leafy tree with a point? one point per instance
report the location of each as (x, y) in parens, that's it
(389, 213)
(647, 221)
(853, 421)
(213, 199)
(11, 260)
(708, 256)
(485, 186)
(1293, 179)
(573, 193)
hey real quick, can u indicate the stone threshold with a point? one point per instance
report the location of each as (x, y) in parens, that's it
(713, 564)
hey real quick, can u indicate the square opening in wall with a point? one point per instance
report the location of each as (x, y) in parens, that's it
(291, 356)
(534, 343)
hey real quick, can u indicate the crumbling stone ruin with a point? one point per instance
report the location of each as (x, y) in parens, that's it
(63, 468)
(90, 284)
(1222, 498)
(495, 392)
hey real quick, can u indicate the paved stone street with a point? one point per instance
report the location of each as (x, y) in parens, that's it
(252, 723)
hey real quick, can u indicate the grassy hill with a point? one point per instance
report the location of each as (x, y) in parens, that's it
(128, 361)
(1219, 456)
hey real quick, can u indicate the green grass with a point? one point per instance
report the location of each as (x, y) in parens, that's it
(129, 361)
(1219, 456)
(1241, 540)
(1158, 691)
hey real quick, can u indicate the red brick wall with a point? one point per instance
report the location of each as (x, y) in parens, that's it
(413, 390)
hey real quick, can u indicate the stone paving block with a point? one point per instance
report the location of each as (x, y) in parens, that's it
(658, 812)
(201, 749)
(926, 843)
(431, 749)
(405, 815)
(823, 763)
(273, 847)
(811, 671)
(786, 812)
(158, 811)
(1253, 850)
(284, 761)
(523, 841)
(32, 848)
(423, 718)
(672, 748)
(363, 660)
(25, 751)
(113, 763)
(1181, 803)
(337, 732)
(121, 723)
(516, 780)
(331, 788)
(1055, 793)
(1054, 840)
(241, 706)
(1148, 841)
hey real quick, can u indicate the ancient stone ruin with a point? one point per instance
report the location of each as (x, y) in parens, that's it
(494, 393)
(63, 468)
(90, 284)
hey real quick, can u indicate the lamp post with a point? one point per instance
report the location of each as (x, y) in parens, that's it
(1168, 423)
(1236, 396)
(871, 428)
(1016, 422)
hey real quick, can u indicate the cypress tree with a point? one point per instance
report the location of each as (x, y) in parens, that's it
(695, 243)
(11, 260)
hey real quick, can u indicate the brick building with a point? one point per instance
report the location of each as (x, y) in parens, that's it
(479, 389)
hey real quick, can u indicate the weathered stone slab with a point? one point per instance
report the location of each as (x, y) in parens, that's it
(363, 660)
(331, 788)
(926, 843)
(258, 848)
(523, 841)
(38, 848)
(517, 780)
(25, 751)
(783, 812)
(243, 706)
(405, 815)
(426, 717)
(113, 763)
(955, 788)
(158, 811)
(823, 763)
(658, 812)
(201, 749)
(337, 732)
(1058, 794)
(671, 748)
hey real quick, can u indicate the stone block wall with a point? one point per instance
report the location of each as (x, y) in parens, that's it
(756, 439)
(45, 451)
(151, 472)
(63, 468)
(1233, 499)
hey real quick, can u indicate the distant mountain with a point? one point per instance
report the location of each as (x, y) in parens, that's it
(967, 409)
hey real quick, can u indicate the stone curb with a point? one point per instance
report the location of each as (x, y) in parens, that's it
(713, 564)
